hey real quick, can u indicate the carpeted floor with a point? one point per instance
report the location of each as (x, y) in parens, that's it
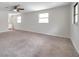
(28, 44)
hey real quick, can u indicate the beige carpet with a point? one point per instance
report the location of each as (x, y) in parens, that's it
(28, 44)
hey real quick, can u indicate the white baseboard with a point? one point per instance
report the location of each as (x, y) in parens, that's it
(44, 33)
(3, 31)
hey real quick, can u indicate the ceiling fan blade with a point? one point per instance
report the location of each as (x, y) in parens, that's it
(10, 9)
(21, 8)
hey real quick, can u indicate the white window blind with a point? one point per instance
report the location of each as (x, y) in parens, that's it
(43, 18)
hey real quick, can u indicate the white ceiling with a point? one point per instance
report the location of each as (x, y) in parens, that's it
(33, 6)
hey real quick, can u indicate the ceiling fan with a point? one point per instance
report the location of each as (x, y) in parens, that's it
(16, 8)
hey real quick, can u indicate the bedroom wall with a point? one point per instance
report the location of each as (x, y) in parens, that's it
(59, 22)
(74, 31)
(3, 21)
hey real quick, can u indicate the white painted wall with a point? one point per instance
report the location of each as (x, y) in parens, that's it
(3, 21)
(75, 32)
(59, 22)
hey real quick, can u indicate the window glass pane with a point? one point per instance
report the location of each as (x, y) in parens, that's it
(76, 18)
(19, 19)
(44, 20)
(43, 15)
(76, 9)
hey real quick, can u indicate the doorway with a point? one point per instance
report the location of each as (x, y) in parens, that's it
(13, 19)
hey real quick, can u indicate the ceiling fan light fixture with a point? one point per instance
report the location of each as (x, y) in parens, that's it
(15, 10)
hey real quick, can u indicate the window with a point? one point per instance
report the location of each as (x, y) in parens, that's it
(43, 18)
(18, 19)
(76, 13)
